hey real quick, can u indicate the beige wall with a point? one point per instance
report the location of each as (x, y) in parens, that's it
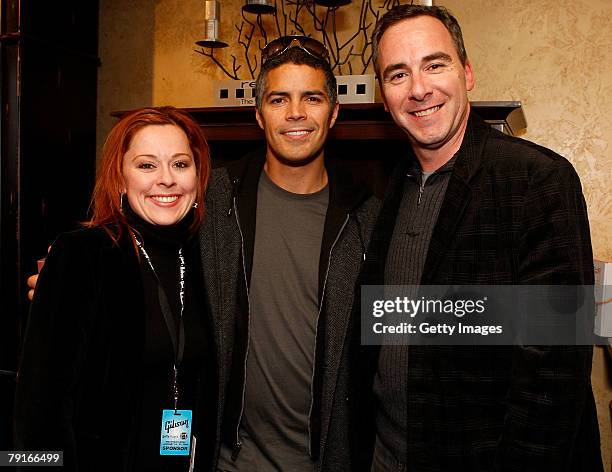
(553, 55)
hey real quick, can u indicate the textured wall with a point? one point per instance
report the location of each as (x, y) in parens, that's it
(553, 55)
(556, 57)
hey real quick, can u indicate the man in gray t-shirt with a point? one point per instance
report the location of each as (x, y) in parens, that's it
(302, 239)
(284, 305)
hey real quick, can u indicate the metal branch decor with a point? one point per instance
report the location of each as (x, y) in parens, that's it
(264, 20)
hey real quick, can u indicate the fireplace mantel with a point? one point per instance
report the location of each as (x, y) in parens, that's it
(356, 122)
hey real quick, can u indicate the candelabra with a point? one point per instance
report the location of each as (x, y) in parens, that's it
(262, 20)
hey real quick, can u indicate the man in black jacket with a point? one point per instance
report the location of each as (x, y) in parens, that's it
(282, 243)
(469, 205)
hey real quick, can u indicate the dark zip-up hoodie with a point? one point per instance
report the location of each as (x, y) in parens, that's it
(350, 215)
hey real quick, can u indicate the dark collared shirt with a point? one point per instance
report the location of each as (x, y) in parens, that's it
(422, 199)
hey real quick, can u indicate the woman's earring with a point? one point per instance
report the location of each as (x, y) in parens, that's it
(121, 201)
(195, 204)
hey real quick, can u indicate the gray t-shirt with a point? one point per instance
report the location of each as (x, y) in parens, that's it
(284, 310)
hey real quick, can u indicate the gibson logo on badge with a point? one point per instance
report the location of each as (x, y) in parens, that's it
(175, 424)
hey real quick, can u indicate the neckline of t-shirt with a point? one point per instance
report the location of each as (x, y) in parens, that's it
(269, 183)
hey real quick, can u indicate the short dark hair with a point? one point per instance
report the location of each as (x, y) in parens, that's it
(403, 12)
(297, 56)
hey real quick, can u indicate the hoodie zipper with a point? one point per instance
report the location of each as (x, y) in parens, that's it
(314, 362)
(238, 443)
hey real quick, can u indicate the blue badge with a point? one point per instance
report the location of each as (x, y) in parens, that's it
(175, 433)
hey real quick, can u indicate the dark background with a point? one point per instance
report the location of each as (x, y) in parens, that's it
(48, 75)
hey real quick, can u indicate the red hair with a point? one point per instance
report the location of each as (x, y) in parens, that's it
(106, 201)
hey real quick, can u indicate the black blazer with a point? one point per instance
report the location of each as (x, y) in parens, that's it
(513, 213)
(79, 379)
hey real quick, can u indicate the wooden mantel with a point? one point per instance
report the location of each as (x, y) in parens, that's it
(368, 121)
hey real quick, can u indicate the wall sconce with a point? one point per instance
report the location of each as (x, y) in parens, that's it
(212, 15)
(332, 3)
(259, 7)
(306, 17)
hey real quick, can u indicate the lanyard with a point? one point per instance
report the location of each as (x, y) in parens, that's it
(178, 342)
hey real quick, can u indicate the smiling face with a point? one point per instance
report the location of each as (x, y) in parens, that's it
(296, 114)
(425, 85)
(159, 174)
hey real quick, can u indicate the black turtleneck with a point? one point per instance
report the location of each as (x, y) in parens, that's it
(162, 244)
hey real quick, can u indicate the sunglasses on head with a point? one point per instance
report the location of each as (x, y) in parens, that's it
(284, 43)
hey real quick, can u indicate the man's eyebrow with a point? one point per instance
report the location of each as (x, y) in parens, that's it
(277, 93)
(430, 57)
(393, 67)
(437, 56)
(303, 92)
(314, 93)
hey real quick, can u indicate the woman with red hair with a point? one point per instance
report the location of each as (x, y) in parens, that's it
(115, 369)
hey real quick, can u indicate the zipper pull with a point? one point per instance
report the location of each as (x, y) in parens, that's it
(235, 185)
(236, 450)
